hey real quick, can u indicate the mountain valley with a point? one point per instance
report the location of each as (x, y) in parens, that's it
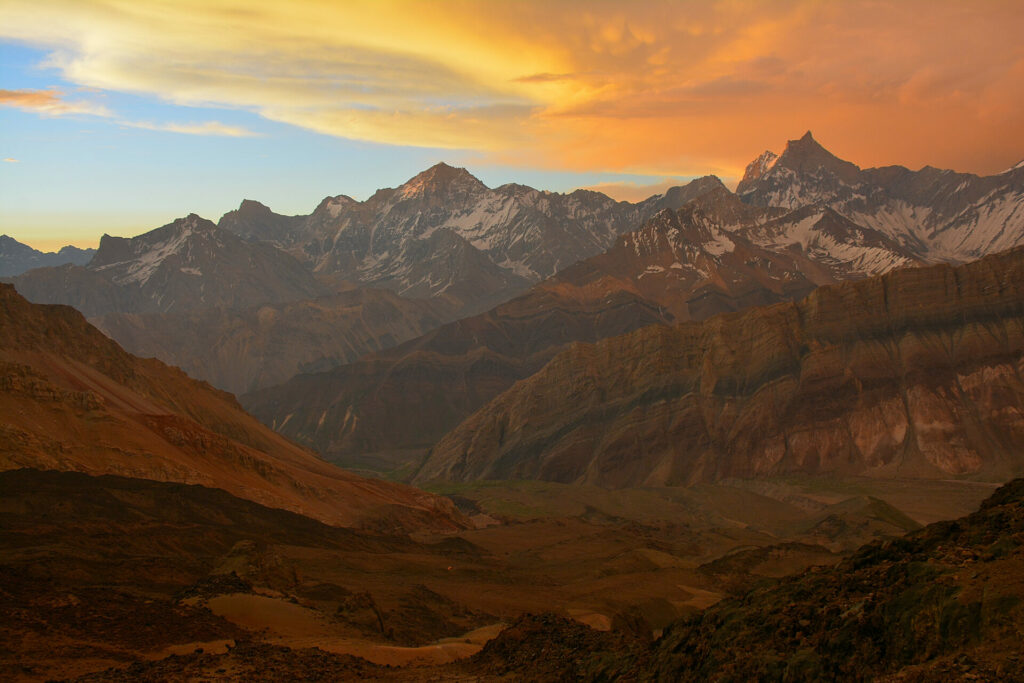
(710, 435)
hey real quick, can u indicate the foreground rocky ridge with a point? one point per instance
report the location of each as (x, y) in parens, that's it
(917, 372)
(943, 603)
(72, 399)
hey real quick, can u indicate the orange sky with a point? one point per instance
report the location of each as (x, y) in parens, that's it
(663, 89)
(666, 88)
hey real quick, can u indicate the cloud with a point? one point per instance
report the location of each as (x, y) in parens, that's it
(669, 88)
(11, 160)
(543, 78)
(50, 103)
(205, 128)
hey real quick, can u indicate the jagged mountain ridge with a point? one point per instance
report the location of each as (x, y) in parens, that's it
(915, 373)
(445, 233)
(72, 399)
(16, 258)
(938, 215)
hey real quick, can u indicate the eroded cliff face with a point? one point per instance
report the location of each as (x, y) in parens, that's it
(916, 373)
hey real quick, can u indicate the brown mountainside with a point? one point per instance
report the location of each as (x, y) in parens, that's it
(915, 373)
(71, 399)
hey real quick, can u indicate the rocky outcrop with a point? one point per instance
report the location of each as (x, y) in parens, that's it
(943, 603)
(914, 373)
(73, 400)
(940, 604)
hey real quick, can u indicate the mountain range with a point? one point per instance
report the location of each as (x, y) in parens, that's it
(186, 265)
(446, 234)
(720, 251)
(225, 301)
(197, 294)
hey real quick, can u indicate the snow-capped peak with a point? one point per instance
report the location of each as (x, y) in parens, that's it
(441, 178)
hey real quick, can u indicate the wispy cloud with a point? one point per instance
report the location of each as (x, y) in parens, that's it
(11, 160)
(204, 128)
(50, 103)
(673, 88)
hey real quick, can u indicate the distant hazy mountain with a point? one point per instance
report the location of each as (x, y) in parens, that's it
(186, 265)
(246, 349)
(16, 258)
(937, 215)
(445, 234)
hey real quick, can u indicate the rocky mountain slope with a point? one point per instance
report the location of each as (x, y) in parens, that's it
(16, 258)
(186, 265)
(446, 234)
(938, 215)
(916, 373)
(71, 399)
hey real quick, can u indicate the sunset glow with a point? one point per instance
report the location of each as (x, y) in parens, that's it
(575, 93)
